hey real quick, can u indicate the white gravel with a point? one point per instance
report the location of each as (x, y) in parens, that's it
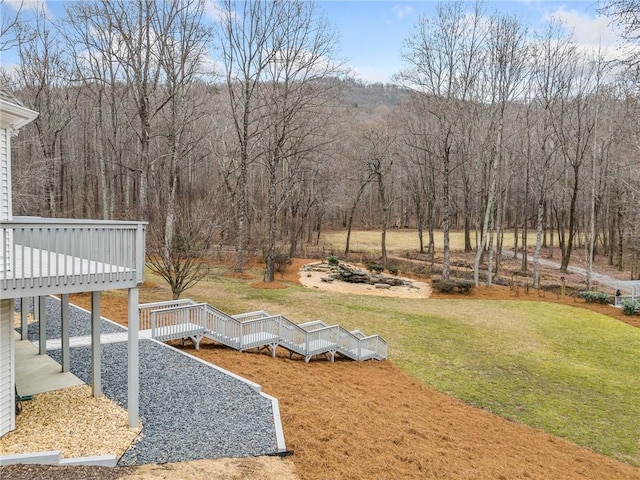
(189, 410)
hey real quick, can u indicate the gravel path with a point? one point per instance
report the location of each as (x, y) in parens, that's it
(601, 278)
(189, 410)
(79, 322)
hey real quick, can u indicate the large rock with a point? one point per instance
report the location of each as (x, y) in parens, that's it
(350, 274)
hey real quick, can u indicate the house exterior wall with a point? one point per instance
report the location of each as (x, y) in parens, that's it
(13, 116)
(7, 370)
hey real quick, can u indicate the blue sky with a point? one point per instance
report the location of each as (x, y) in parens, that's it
(372, 32)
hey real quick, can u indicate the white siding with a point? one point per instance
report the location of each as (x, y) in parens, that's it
(5, 176)
(5, 197)
(7, 371)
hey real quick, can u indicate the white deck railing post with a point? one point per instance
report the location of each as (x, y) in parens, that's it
(96, 381)
(64, 333)
(42, 311)
(133, 365)
(140, 253)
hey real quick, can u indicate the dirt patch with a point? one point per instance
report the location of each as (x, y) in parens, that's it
(257, 468)
(314, 279)
(268, 285)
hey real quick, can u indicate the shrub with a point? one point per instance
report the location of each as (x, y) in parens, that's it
(281, 261)
(629, 307)
(452, 286)
(394, 269)
(374, 267)
(333, 260)
(595, 297)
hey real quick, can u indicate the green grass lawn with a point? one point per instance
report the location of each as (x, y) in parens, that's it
(568, 371)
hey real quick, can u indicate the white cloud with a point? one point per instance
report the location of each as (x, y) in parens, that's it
(586, 30)
(401, 11)
(28, 8)
(594, 35)
(213, 10)
(26, 5)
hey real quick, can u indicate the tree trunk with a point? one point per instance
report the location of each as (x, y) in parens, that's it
(566, 252)
(446, 260)
(536, 252)
(270, 257)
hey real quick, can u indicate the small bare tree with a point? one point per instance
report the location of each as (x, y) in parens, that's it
(182, 259)
(379, 152)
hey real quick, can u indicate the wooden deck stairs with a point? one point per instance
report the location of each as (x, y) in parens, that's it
(186, 319)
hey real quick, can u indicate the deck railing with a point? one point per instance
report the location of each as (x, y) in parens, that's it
(185, 318)
(169, 323)
(45, 255)
(226, 329)
(251, 315)
(145, 310)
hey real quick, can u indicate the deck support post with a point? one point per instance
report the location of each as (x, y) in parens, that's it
(24, 319)
(96, 379)
(36, 308)
(64, 334)
(42, 316)
(133, 367)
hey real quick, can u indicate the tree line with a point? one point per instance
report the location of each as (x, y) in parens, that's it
(244, 132)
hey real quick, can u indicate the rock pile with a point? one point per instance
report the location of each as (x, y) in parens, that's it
(352, 274)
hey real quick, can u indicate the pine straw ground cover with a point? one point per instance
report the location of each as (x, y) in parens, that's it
(371, 420)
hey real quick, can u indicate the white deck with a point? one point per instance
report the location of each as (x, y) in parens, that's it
(51, 256)
(32, 263)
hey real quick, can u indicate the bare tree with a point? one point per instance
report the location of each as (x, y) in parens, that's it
(549, 58)
(181, 53)
(421, 156)
(89, 36)
(244, 38)
(627, 14)
(12, 32)
(42, 75)
(129, 33)
(298, 82)
(183, 262)
(443, 64)
(379, 158)
(505, 68)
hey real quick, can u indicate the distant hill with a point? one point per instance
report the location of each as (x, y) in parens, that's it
(367, 97)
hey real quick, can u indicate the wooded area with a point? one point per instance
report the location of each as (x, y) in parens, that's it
(249, 133)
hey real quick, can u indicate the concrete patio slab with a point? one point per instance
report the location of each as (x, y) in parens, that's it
(39, 373)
